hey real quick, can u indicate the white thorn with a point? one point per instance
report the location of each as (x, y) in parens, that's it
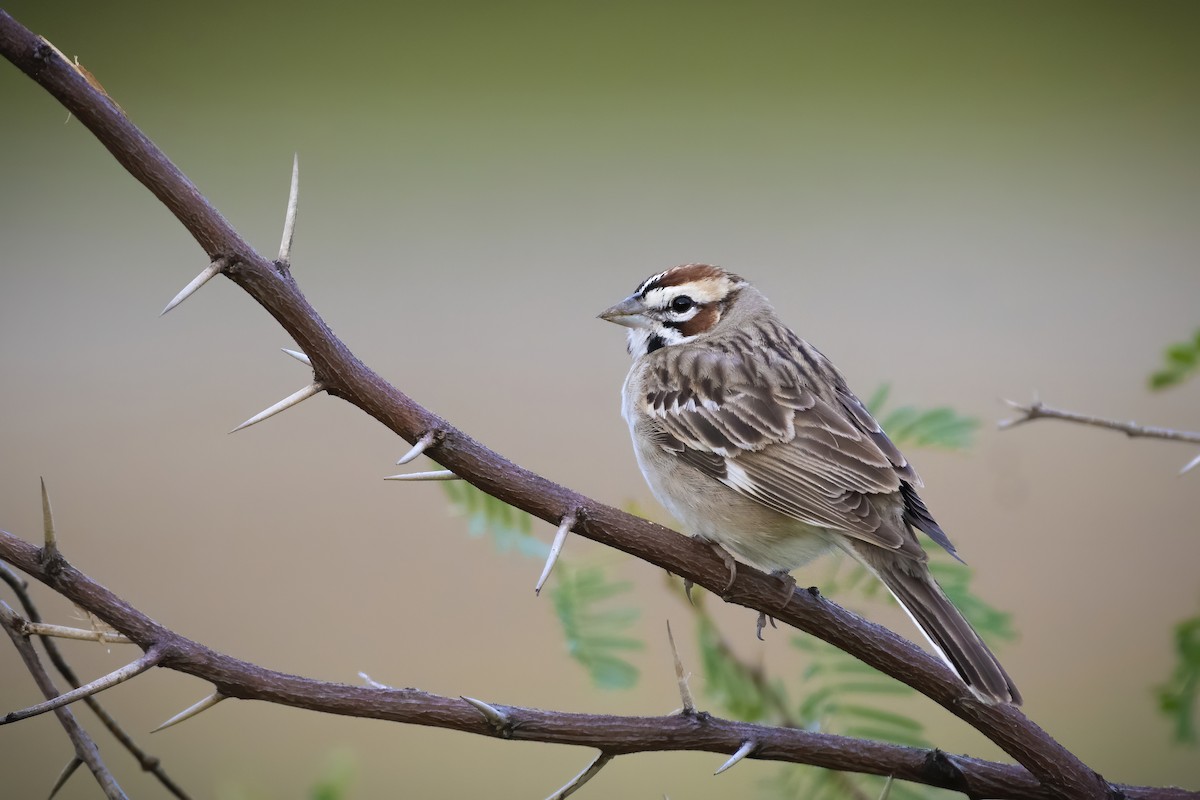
(289, 221)
(1190, 464)
(439, 475)
(887, 788)
(50, 546)
(588, 773)
(191, 711)
(374, 684)
(296, 354)
(204, 277)
(685, 692)
(560, 538)
(417, 449)
(148, 660)
(496, 718)
(746, 749)
(65, 775)
(283, 405)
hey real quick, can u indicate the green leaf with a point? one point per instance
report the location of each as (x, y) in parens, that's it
(595, 635)
(511, 530)
(934, 427)
(338, 777)
(1182, 361)
(1179, 697)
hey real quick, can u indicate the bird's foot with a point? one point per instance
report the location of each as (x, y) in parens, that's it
(730, 564)
(763, 619)
(789, 586)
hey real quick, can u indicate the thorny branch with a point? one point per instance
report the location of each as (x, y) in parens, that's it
(612, 735)
(85, 749)
(1052, 769)
(1039, 410)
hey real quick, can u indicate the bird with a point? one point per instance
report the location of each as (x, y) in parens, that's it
(752, 439)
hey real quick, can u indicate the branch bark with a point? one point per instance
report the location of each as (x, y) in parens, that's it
(611, 735)
(341, 374)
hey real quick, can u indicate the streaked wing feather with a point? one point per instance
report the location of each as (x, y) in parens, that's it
(762, 431)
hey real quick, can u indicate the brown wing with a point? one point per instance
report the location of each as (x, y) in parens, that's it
(754, 423)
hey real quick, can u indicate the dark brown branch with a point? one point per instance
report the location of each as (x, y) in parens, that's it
(610, 734)
(85, 749)
(343, 375)
(147, 762)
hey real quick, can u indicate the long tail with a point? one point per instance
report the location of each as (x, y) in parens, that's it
(950, 634)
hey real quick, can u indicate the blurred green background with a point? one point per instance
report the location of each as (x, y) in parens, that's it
(971, 201)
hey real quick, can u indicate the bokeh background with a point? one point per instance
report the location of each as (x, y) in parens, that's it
(970, 201)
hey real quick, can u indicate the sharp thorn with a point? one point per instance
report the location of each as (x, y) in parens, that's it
(579, 780)
(296, 354)
(204, 277)
(50, 545)
(148, 660)
(560, 538)
(191, 711)
(496, 719)
(289, 221)
(65, 776)
(887, 788)
(1188, 466)
(417, 448)
(746, 749)
(439, 475)
(292, 399)
(685, 693)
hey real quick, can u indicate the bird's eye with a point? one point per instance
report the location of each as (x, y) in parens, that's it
(681, 304)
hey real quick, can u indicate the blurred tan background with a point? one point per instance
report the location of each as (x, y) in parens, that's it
(969, 201)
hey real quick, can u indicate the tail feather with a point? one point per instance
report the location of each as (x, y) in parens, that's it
(944, 625)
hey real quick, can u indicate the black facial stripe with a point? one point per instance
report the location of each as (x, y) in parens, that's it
(656, 343)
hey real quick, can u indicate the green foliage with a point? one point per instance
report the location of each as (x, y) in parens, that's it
(934, 427)
(728, 681)
(510, 529)
(337, 779)
(1178, 697)
(596, 636)
(1181, 361)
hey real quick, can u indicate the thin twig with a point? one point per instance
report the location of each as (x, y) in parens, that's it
(148, 763)
(1039, 410)
(85, 749)
(579, 780)
(63, 632)
(148, 659)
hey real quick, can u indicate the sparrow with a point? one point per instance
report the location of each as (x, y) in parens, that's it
(753, 441)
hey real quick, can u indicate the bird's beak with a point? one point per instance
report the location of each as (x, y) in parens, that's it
(628, 312)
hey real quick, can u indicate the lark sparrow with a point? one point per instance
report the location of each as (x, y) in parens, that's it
(751, 438)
